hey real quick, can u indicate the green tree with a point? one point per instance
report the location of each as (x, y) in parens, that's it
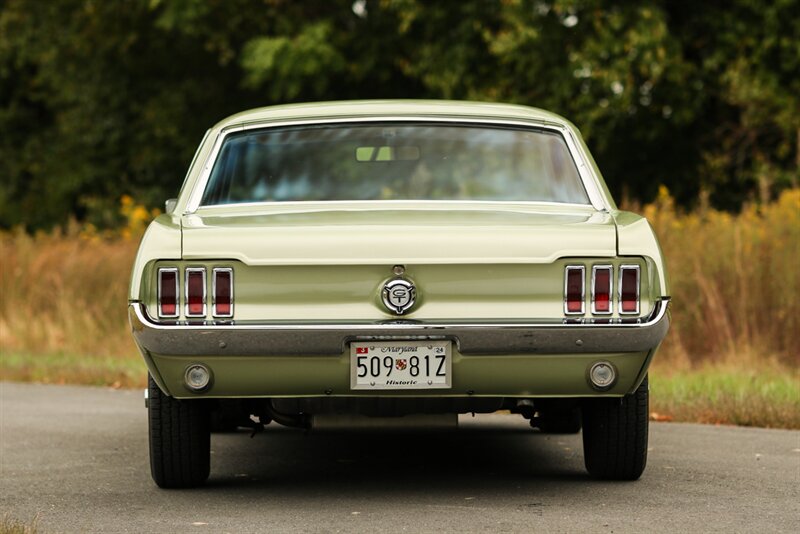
(104, 98)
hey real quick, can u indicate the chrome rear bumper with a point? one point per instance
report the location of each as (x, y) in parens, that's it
(297, 339)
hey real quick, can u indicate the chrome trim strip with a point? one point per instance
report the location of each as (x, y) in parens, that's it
(298, 339)
(194, 159)
(177, 291)
(588, 178)
(610, 268)
(199, 185)
(582, 269)
(214, 291)
(202, 271)
(304, 205)
(623, 268)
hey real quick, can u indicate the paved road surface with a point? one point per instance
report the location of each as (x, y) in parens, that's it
(77, 457)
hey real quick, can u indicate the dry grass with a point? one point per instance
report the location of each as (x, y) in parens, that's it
(735, 282)
(8, 525)
(730, 355)
(64, 293)
(62, 313)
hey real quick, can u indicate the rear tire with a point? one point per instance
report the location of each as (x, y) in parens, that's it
(180, 440)
(615, 435)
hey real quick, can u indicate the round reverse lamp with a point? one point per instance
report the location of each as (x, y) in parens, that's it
(197, 377)
(602, 375)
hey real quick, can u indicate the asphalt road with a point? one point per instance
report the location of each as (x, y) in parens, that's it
(76, 457)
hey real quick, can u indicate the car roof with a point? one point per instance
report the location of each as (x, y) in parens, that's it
(389, 108)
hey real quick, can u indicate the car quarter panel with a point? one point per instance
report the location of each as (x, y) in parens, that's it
(636, 237)
(161, 241)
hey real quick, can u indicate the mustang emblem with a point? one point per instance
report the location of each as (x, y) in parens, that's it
(399, 295)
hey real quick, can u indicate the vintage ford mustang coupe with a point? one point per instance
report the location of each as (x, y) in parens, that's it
(396, 263)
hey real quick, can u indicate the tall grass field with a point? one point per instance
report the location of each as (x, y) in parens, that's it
(731, 355)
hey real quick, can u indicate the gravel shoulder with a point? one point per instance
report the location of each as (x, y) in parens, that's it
(77, 458)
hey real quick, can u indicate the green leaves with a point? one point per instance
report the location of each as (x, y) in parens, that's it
(285, 66)
(100, 99)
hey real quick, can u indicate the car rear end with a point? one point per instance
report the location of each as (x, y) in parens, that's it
(510, 330)
(395, 304)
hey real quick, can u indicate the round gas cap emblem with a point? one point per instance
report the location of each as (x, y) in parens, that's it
(399, 295)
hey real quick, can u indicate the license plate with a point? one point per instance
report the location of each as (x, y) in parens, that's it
(400, 365)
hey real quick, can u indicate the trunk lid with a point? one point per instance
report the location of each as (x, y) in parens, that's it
(331, 260)
(376, 233)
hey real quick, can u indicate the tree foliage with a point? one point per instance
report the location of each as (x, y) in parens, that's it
(99, 99)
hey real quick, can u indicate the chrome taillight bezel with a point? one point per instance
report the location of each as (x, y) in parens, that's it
(159, 292)
(187, 272)
(622, 270)
(582, 270)
(214, 273)
(610, 269)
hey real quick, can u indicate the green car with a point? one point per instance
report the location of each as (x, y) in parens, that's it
(394, 264)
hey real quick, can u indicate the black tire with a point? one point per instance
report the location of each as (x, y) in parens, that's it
(180, 440)
(615, 435)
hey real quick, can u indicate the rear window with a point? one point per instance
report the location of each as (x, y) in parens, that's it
(394, 162)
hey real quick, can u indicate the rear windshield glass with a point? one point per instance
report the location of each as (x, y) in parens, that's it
(394, 162)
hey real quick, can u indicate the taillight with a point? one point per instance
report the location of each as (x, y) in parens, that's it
(601, 289)
(168, 292)
(574, 290)
(629, 289)
(222, 292)
(195, 292)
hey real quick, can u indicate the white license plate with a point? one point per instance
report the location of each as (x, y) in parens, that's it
(401, 364)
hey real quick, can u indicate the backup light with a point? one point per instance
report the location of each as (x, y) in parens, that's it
(197, 377)
(602, 375)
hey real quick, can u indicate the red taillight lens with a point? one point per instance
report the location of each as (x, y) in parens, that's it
(574, 291)
(629, 289)
(195, 292)
(601, 289)
(223, 292)
(168, 292)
